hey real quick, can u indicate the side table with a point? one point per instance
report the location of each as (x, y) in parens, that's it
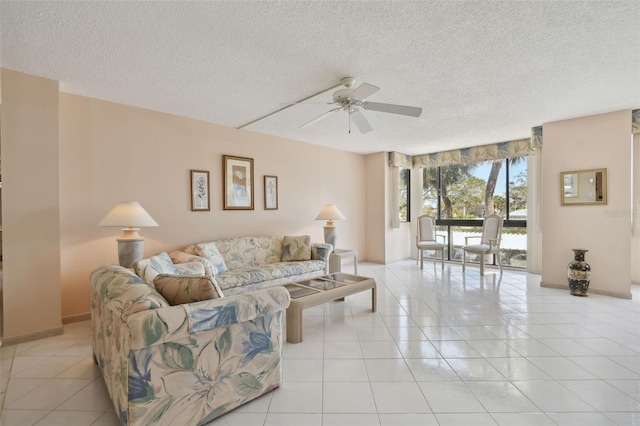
(335, 260)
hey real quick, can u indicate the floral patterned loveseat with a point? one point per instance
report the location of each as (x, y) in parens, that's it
(184, 364)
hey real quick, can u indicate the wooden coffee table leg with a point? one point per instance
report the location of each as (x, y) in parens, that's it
(294, 324)
(374, 299)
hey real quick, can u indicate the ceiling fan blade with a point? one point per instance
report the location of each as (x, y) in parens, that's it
(319, 118)
(360, 121)
(393, 109)
(364, 90)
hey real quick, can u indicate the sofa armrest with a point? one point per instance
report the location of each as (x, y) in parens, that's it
(179, 323)
(321, 251)
(235, 309)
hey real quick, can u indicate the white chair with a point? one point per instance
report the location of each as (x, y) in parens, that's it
(489, 242)
(426, 239)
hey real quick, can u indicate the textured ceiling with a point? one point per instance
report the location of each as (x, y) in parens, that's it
(482, 71)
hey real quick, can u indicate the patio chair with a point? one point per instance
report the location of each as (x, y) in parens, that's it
(489, 242)
(426, 239)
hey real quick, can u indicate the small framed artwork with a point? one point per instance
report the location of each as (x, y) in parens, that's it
(238, 183)
(200, 191)
(271, 192)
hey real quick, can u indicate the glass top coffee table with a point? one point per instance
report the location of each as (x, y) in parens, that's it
(316, 291)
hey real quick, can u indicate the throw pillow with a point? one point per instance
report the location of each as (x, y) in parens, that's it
(180, 289)
(179, 257)
(296, 248)
(148, 269)
(212, 254)
(190, 268)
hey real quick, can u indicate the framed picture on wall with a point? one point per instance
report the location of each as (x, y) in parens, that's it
(271, 192)
(238, 183)
(200, 191)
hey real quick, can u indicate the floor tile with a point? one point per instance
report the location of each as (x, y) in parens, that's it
(601, 395)
(49, 395)
(280, 419)
(493, 348)
(630, 387)
(582, 419)
(302, 370)
(417, 349)
(431, 370)
(450, 397)
(388, 370)
(456, 349)
(552, 397)
(404, 419)
(69, 418)
(297, 397)
(399, 397)
(523, 419)
(560, 368)
(94, 397)
(471, 419)
(21, 417)
(501, 397)
(235, 418)
(380, 350)
(342, 350)
(348, 397)
(345, 370)
(474, 369)
(518, 369)
(603, 367)
(333, 419)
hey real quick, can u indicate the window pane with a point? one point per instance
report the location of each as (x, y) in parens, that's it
(430, 191)
(513, 247)
(472, 191)
(403, 194)
(518, 188)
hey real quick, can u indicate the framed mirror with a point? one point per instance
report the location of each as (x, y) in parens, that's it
(583, 187)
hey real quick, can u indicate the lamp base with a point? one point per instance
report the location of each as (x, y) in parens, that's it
(330, 235)
(130, 251)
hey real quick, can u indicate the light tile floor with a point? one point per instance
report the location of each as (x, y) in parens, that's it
(445, 348)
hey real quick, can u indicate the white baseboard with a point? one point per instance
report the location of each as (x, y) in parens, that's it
(591, 290)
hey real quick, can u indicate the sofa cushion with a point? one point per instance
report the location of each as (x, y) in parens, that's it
(179, 257)
(190, 268)
(248, 276)
(181, 289)
(246, 252)
(149, 268)
(296, 248)
(210, 252)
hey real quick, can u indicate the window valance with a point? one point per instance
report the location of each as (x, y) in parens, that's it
(397, 159)
(474, 154)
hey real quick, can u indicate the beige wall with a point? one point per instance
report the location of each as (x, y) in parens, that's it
(31, 219)
(376, 216)
(68, 160)
(600, 141)
(111, 152)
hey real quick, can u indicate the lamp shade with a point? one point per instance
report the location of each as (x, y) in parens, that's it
(128, 213)
(330, 212)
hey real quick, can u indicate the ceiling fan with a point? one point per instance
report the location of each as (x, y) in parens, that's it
(353, 100)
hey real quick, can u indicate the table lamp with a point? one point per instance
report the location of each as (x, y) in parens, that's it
(330, 213)
(131, 216)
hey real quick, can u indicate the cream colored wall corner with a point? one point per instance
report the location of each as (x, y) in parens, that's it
(587, 143)
(111, 152)
(31, 206)
(376, 210)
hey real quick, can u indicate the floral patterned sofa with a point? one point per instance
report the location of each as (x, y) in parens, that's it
(249, 263)
(184, 364)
